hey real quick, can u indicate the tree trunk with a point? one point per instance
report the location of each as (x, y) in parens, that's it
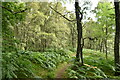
(72, 37)
(103, 46)
(100, 45)
(116, 43)
(106, 42)
(79, 29)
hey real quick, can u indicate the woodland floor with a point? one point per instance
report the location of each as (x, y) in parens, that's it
(61, 71)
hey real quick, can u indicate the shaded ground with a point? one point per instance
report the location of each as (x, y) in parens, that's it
(60, 73)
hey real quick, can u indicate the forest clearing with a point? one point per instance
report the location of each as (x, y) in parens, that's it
(66, 40)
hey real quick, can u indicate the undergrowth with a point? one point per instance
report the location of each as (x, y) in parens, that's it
(28, 64)
(95, 66)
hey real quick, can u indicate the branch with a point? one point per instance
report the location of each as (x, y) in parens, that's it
(62, 15)
(13, 11)
(80, 14)
(90, 38)
(7, 9)
(20, 11)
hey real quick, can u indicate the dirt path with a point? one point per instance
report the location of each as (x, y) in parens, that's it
(60, 73)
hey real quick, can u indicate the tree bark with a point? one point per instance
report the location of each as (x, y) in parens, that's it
(79, 29)
(116, 42)
(106, 41)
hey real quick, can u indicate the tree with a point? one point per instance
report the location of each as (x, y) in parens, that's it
(91, 34)
(105, 19)
(79, 17)
(73, 36)
(12, 13)
(43, 28)
(117, 39)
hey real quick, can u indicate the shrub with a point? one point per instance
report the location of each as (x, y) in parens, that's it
(14, 65)
(103, 67)
(85, 71)
(20, 64)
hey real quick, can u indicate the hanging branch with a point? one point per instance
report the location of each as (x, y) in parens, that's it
(13, 11)
(62, 15)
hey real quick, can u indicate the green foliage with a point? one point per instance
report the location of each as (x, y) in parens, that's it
(9, 20)
(15, 64)
(99, 60)
(102, 29)
(43, 37)
(42, 28)
(73, 49)
(85, 71)
(104, 65)
(89, 51)
(50, 75)
(95, 66)
(37, 29)
(49, 60)
(64, 52)
(20, 64)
